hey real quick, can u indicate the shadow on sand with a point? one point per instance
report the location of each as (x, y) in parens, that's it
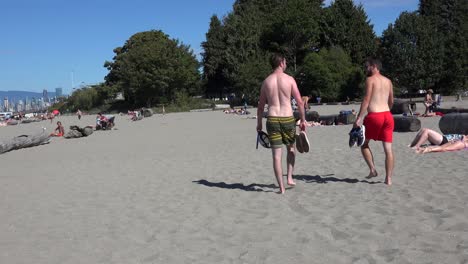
(254, 187)
(327, 179)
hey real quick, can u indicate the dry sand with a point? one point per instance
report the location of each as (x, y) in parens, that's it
(192, 188)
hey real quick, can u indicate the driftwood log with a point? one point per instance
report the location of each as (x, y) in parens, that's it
(451, 110)
(309, 116)
(400, 107)
(455, 123)
(24, 141)
(346, 118)
(77, 132)
(147, 112)
(26, 121)
(406, 124)
(328, 120)
(13, 122)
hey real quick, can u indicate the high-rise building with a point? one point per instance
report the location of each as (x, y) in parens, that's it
(58, 92)
(6, 106)
(45, 95)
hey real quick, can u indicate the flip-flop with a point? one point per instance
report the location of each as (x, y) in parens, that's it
(305, 141)
(299, 144)
(263, 139)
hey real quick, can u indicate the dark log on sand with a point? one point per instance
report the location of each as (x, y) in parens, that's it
(406, 124)
(346, 118)
(400, 107)
(77, 132)
(24, 141)
(451, 110)
(328, 120)
(454, 123)
(309, 116)
(147, 112)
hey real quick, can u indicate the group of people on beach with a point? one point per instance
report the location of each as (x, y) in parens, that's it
(277, 90)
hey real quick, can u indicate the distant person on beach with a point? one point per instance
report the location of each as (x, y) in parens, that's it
(305, 100)
(78, 113)
(378, 123)
(105, 122)
(434, 138)
(59, 131)
(429, 103)
(277, 90)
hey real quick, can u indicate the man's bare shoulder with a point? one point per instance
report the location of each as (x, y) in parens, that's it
(270, 77)
(379, 78)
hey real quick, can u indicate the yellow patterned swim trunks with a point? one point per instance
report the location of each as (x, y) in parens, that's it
(281, 130)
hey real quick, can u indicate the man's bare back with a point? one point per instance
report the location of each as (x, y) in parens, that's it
(277, 90)
(381, 93)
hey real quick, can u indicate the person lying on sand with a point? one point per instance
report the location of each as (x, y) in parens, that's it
(309, 123)
(433, 138)
(449, 146)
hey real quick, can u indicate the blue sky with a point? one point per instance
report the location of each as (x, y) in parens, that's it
(46, 44)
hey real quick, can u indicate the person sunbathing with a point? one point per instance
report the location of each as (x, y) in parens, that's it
(433, 138)
(449, 146)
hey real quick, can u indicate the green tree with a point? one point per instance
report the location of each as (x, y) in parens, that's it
(347, 25)
(213, 59)
(448, 20)
(410, 53)
(294, 30)
(330, 74)
(150, 68)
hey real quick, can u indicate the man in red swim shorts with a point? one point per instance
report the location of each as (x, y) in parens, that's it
(379, 121)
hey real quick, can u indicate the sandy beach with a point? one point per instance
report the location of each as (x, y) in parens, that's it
(192, 188)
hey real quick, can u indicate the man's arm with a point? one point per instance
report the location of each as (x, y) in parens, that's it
(365, 102)
(297, 95)
(261, 107)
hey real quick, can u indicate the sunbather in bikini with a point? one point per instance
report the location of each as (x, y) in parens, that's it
(433, 138)
(449, 146)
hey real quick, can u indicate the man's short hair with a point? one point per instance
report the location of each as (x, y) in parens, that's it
(276, 60)
(374, 62)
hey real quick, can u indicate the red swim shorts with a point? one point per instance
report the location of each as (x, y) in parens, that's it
(379, 126)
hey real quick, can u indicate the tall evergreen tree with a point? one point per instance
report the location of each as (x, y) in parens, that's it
(347, 25)
(410, 53)
(294, 30)
(449, 21)
(213, 59)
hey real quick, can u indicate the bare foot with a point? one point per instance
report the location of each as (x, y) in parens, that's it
(388, 181)
(281, 191)
(423, 150)
(372, 174)
(291, 183)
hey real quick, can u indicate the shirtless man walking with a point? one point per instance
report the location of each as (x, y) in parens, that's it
(277, 90)
(379, 121)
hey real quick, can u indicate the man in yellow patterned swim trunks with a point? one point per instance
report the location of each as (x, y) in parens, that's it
(277, 90)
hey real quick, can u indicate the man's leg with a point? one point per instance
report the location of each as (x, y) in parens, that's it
(389, 162)
(369, 158)
(277, 167)
(291, 158)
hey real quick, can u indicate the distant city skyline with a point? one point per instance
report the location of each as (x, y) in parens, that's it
(50, 43)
